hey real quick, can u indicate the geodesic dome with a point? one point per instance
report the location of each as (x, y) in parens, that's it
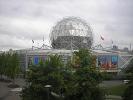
(71, 33)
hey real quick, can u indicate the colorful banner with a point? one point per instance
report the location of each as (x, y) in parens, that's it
(114, 61)
(107, 61)
(36, 60)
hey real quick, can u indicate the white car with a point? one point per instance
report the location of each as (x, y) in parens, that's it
(126, 81)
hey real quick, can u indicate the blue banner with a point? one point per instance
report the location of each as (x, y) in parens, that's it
(36, 60)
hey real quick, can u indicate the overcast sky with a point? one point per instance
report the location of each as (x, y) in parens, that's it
(24, 20)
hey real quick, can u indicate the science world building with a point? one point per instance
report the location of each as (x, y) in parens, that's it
(69, 35)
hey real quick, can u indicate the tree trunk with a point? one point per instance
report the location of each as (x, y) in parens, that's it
(1, 76)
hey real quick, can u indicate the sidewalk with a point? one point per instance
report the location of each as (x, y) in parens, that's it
(113, 97)
(7, 93)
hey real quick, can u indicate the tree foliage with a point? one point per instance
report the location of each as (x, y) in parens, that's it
(9, 65)
(66, 84)
(84, 58)
(2, 64)
(86, 78)
(38, 77)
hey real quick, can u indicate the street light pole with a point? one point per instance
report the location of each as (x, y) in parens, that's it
(48, 86)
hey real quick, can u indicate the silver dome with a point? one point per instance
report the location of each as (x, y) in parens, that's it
(71, 29)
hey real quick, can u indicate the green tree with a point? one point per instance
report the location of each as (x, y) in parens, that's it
(86, 78)
(128, 93)
(41, 75)
(14, 66)
(3, 63)
(9, 65)
(85, 58)
(1, 66)
(66, 84)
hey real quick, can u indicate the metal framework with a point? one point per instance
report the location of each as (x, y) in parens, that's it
(125, 61)
(71, 33)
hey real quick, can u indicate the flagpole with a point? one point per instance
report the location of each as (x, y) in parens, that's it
(32, 44)
(111, 44)
(43, 43)
(101, 40)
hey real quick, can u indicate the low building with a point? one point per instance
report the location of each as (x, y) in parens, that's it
(107, 60)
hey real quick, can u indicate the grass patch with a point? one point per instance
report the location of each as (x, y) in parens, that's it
(116, 90)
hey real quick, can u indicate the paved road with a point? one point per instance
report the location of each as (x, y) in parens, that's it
(113, 97)
(111, 83)
(6, 93)
(9, 93)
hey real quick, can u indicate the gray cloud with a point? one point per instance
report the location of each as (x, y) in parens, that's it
(24, 20)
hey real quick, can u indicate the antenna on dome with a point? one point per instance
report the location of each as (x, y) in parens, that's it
(43, 43)
(44, 46)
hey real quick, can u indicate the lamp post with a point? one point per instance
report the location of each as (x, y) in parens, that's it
(48, 86)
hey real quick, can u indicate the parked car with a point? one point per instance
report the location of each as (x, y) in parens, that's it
(126, 81)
